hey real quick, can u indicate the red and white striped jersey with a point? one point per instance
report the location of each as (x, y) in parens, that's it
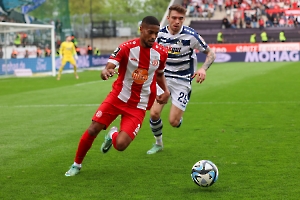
(136, 82)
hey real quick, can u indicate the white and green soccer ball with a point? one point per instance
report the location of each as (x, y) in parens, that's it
(204, 173)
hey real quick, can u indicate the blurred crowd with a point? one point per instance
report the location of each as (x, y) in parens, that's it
(247, 13)
(200, 8)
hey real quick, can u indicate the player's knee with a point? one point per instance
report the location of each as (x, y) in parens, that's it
(120, 146)
(95, 128)
(93, 131)
(175, 122)
(122, 142)
(154, 115)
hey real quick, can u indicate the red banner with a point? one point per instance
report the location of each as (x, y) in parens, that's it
(256, 47)
(286, 11)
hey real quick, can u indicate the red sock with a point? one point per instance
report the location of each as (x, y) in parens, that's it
(114, 138)
(84, 145)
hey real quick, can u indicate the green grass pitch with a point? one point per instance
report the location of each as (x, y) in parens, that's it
(245, 118)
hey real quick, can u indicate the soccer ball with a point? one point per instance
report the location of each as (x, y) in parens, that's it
(204, 173)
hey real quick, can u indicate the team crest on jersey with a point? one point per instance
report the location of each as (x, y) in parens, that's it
(116, 51)
(98, 114)
(180, 43)
(154, 62)
(140, 76)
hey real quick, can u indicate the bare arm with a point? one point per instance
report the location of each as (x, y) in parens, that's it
(109, 71)
(210, 57)
(201, 73)
(161, 81)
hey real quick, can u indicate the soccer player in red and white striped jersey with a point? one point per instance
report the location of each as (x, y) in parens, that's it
(141, 65)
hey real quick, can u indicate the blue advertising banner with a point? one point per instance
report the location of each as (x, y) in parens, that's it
(7, 66)
(35, 64)
(264, 56)
(44, 64)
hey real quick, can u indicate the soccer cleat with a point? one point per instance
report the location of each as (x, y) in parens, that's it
(156, 148)
(74, 170)
(107, 140)
(77, 77)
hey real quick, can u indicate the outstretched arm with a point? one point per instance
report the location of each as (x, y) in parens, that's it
(109, 71)
(201, 73)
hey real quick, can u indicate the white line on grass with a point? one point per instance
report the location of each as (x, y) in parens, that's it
(89, 105)
(80, 84)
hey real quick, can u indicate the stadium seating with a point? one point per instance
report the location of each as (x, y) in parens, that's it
(209, 28)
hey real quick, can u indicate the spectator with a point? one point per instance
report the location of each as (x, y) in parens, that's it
(220, 5)
(24, 39)
(47, 52)
(1, 53)
(26, 54)
(185, 3)
(220, 37)
(264, 36)
(253, 38)
(74, 40)
(78, 51)
(211, 10)
(89, 50)
(97, 51)
(38, 53)
(282, 22)
(228, 6)
(254, 20)
(261, 23)
(17, 40)
(275, 22)
(282, 36)
(286, 5)
(14, 53)
(58, 26)
(226, 23)
(270, 18)
(290, 22)
(248, 22)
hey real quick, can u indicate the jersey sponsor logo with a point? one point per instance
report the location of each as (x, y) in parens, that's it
(135, 132)
(140, 76)
(173, 50)
(116, 51)
(134, 59)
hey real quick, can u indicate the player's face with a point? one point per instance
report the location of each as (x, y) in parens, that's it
(68, 38)
(148, 34)
(175, 20)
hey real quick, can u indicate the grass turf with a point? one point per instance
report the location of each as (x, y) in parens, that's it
(244, 117)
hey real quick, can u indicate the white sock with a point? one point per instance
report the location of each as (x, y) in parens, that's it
(158, 140)
(77, 165)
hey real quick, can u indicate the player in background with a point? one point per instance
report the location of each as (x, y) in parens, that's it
(67, 53)
(181, 67)
(141, 64)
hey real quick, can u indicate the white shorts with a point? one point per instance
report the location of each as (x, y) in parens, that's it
(180, 93)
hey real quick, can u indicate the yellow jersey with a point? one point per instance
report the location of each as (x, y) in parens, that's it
(67, 49)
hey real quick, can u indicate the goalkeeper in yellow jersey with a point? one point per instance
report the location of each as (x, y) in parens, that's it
(67, 53)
